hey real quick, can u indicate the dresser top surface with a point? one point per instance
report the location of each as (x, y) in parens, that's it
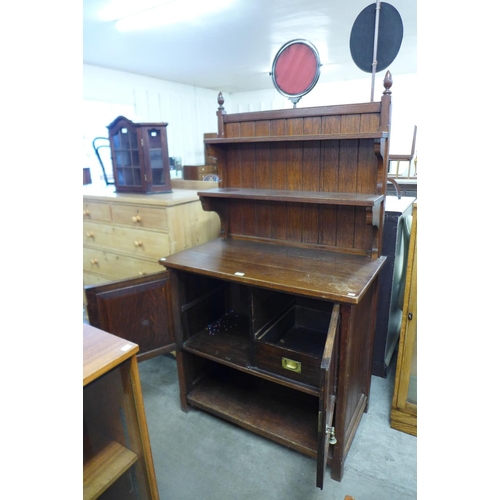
(305, 271)
(108, 194)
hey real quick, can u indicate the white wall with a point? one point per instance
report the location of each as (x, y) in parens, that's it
(191, 111)
(188, 110)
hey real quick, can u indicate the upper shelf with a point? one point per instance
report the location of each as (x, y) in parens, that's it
(289, 138)
(326, 198)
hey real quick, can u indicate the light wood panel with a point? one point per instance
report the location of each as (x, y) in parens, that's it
(404, 402)
(124, 234)
(116, 448)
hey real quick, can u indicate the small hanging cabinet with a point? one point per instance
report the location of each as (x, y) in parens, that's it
(139, 153)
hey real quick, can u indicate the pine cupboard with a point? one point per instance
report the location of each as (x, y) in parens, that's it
(274, 321)
(404, 402)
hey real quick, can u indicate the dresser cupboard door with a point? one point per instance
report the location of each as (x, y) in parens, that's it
(328, 382)
(136, 309)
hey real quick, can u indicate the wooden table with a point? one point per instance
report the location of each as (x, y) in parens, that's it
(117, 457)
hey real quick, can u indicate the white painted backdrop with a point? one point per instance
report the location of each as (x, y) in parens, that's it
(191, 111)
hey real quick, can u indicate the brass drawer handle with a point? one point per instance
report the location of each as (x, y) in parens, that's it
(292, 365)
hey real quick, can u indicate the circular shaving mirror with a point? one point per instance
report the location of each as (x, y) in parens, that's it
(296, 69)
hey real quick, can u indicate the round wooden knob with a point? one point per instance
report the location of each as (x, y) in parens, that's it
(136, 218)
(86, 212)
(138, 243)
(142, 273)
(94, 261)
(90, 234)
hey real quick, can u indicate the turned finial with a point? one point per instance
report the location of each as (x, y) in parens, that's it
(220, 116)
(387, 83)
(220, 100)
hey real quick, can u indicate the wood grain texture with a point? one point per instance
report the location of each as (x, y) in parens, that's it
(115, 433)
(101, 352)
(315, 273)
(404, 408)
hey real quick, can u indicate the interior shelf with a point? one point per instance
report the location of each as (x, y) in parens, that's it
(225, 338)
(104, 461)
(279, 413)
(290, 138)
(325, 198)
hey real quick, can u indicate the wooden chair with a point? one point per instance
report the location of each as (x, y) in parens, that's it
(409, 158)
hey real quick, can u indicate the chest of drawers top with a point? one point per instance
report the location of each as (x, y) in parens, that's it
(108, 195)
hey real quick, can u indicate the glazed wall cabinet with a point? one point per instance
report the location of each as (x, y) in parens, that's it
(139, 154)
(117, 459)
(274, 321)
(404, 402)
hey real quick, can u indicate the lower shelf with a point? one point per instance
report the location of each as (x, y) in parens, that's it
(104, 461)
(278, 413)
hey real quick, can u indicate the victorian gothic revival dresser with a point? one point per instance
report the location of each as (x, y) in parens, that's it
(274, 321)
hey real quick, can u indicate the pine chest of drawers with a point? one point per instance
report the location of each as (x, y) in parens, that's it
(124, 234)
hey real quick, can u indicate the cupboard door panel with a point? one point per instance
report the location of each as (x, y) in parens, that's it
(328, 376)
(138, 310)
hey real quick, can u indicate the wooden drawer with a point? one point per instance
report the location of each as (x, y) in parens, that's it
(198, 172)
(293, 346)
(116, 266)
(96, 211)
(138, 216)
(136, 242)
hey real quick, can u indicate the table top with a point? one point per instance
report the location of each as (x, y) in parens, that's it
(103, 351)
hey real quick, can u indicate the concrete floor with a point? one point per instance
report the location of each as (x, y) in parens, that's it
(198, 456)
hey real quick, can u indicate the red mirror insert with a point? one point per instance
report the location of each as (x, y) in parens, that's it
(296, 69)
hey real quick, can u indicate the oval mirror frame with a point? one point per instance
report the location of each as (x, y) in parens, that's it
(296, 69)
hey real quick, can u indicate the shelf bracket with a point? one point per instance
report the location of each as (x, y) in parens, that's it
(219, 207)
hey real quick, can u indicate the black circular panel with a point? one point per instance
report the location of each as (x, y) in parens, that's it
(390, 36)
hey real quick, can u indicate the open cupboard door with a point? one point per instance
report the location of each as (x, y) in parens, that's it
(135, 309)
(328, 376)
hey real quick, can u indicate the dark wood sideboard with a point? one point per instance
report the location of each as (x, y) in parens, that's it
(274, 321)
